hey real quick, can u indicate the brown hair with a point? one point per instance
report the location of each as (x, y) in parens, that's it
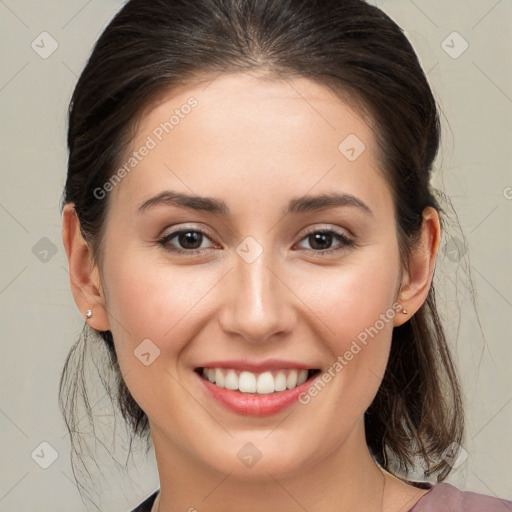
(356, 50)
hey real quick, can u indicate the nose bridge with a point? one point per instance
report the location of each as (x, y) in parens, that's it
(258, 307)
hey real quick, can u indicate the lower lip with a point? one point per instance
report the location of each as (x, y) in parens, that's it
(251, 404)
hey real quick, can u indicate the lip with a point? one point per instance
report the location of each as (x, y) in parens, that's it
(253, 404)
(257, 366)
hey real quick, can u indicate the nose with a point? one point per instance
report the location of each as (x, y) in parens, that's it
(258, 305)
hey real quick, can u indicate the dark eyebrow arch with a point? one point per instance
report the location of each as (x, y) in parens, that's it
(172, 198)
(311, 203)
(296, 206)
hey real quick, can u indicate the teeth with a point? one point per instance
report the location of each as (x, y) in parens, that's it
(263, 384)
(291, 380)
(219, 377)
(302, 377)
(231, 380)
(280, 381)
(247, 382)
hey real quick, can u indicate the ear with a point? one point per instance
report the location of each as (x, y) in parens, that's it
(416, 283)
(83, 273)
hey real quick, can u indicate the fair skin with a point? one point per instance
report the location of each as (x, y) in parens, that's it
(255, 144)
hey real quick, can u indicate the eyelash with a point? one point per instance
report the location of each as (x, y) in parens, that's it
(346, 242)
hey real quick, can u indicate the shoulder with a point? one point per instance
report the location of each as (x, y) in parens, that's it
(146, 505)
(444, 497)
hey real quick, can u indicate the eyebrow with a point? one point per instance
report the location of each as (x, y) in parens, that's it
(296, 205)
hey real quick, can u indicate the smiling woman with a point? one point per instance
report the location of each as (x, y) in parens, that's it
(261, 279)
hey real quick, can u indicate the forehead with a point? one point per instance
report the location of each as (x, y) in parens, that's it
(265, 137)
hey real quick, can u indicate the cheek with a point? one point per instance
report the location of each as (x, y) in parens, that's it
(155, 302)
(356, 306)
(352, 298)
(163, 305)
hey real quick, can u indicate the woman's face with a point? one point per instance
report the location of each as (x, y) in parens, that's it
(268, 279)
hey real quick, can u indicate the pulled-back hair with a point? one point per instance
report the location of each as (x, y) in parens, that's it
(358, 52)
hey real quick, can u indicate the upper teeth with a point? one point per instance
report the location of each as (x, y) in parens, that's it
(262, 383)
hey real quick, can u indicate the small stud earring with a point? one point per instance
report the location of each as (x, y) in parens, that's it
(404, 311)
(89, 313)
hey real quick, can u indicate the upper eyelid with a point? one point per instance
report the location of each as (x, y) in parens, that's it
(326, 229)
(304, 233)
(185, 229)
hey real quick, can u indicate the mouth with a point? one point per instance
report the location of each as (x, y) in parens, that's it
(261, 383)
(258, 393)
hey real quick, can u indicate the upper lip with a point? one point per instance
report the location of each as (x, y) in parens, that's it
(257, 366)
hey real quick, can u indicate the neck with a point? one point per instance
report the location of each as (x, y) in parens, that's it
(343, 481)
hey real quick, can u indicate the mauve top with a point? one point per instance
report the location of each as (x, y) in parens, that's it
(442, 497)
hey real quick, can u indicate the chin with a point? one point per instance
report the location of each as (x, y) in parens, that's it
(256, 459)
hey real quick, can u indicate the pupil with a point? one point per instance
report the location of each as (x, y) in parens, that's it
(190, 237)
(319, 237)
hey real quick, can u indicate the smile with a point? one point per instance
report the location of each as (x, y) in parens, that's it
(255, 393)
(263, 383)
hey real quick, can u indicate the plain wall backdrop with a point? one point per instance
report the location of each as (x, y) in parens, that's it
(464, 46)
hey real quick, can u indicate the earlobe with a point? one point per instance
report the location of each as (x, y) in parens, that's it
(418, 280)
(83, 273)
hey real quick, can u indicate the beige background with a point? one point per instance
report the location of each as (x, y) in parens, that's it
(40, 320)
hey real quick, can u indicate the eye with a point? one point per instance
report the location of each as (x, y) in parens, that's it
(190, 241)
(321, 241)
